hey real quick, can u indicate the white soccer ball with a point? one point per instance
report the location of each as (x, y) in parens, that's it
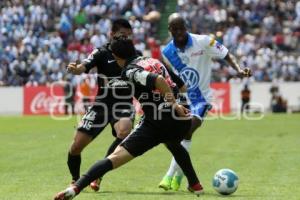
(225, 181)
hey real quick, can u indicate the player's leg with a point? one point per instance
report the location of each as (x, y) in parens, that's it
(80, 141)
(88, 129)
(174, 175)
(183, 159)
(134, 145)
(119, 157)
(171, 180)
(121, 127)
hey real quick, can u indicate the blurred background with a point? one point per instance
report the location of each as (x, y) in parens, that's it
(38, 38)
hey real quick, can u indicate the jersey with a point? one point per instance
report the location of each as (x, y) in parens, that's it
(194, 64)
(142, 72)
(108, 70)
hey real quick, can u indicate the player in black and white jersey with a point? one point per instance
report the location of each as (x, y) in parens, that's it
(108, 108)
(164, 121)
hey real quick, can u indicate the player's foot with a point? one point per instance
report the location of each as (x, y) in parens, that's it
(196, 189)
(176, 181)
(67, 194)
(95, 185)
(165, 183)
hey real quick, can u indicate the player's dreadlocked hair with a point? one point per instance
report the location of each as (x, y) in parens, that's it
(120, 23)
(123, 47)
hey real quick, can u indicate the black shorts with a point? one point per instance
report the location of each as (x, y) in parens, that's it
(99, 115)
(149, 133)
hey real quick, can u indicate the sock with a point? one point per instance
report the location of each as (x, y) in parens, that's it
(174, 167)
(113, 146)
(187, 145)
(97, 170)
(182, 157)
(74, 162)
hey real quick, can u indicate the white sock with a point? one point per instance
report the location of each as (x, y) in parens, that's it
(174, 167)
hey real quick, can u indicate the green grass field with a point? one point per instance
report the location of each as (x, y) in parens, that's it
(265, 154)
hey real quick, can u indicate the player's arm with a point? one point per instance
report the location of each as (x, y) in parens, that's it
(87, 64)
(167, 93)
(217, 50)
(246, 72)
(155, 81)
(179, 82)
(76, 68)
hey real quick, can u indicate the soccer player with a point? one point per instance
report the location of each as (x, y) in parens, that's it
(164, 121)
(108, 108)
(191, 56)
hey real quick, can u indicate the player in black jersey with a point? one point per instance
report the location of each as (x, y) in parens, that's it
(164, 121)
(107, 108)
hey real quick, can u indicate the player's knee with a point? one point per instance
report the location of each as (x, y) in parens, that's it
(123, 132)
(119, 157)
(75, 149)
(123, 128)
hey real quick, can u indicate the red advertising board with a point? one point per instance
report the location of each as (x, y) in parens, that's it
(221, 97)
(40, 100)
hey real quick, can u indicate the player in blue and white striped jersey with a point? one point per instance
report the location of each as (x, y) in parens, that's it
(190, 55)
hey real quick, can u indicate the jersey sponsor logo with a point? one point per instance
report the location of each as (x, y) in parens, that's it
(111, 61)
(197, 53)
(190, 76)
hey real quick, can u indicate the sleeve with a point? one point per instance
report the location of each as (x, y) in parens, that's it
(214, 48)
(141, 77)
(93, 59)
(179, 82)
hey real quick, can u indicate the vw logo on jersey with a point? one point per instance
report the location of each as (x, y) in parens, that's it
(190, 76)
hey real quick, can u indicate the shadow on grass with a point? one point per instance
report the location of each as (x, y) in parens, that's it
(171, 193)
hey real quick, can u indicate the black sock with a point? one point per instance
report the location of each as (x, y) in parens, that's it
(97, 170)
(183, 159)
(113, 146)
(74, 162)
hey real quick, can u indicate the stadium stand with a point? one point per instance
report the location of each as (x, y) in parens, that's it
(39, 38)
(263, 34)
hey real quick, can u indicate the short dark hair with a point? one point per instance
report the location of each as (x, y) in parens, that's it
(123, 47)
(119, 23)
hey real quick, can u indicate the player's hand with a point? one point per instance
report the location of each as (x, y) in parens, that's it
(181, 110)
(244, 73)
(72, 68)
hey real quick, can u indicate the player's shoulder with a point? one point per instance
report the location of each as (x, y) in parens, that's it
(201, 39)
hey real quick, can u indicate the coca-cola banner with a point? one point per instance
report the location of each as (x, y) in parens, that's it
(221, 97)
(39, 100)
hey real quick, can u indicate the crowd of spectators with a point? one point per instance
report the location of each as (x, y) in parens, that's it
(263, 34)
(38, 38)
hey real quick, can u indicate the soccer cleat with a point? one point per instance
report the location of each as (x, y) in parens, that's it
(196, 189)
(95, 185)
(165, 183)
(67, 194)
(176, 181)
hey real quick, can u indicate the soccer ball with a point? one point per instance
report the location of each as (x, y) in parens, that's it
(225, 181)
